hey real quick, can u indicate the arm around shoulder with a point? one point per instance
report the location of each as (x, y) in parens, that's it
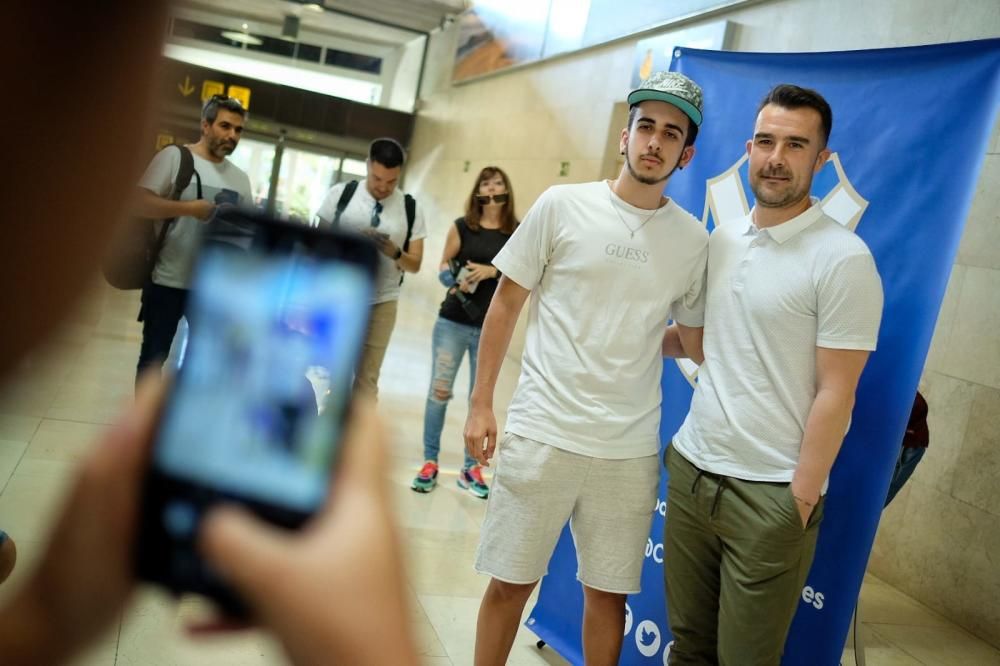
(681, 341)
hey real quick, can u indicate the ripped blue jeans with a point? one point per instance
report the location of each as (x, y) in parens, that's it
(450, 343)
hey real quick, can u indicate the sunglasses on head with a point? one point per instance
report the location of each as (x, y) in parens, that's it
(222, 99)
(483, 199)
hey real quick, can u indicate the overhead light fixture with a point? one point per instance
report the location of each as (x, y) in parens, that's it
(242, 37)
(314, 6)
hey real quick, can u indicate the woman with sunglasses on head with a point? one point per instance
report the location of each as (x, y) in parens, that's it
(466, 269)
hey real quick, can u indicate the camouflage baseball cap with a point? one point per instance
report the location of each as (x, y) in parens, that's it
(672, 88)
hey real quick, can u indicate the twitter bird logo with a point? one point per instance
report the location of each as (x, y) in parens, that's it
(647, 638)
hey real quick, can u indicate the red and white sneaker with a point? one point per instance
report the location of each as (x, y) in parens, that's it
(427, 478)
(471, 479)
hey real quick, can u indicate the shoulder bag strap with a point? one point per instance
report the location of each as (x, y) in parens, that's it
(411, 215)
(184, 173)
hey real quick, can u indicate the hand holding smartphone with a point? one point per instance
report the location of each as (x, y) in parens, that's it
(243, 424)
(376, 235)
(463, 280)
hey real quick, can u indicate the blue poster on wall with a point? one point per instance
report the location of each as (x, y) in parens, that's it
(910, 132)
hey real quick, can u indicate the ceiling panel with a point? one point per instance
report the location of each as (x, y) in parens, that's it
(421, 15)
(377, 21)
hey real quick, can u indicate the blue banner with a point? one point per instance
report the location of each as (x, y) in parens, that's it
(910, 132)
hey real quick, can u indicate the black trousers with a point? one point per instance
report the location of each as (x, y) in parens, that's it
(162, 309)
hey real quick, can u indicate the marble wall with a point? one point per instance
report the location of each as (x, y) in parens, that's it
(940, 540)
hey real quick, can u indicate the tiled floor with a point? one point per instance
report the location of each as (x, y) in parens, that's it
(62, 397)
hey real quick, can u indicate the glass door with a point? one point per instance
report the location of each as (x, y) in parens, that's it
(303, 181)
(256, 158)
(353, 169)
(304, 175)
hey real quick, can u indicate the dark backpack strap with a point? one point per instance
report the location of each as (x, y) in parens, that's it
(411, 215)
(345, 198)
(184, 173)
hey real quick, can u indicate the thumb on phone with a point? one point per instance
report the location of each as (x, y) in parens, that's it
(249, 553)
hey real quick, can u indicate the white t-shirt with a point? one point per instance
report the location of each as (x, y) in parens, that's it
(173, 268)
(358, 216)
(774, 295)
(600, 301)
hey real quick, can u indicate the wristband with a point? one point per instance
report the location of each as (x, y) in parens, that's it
(446, 278)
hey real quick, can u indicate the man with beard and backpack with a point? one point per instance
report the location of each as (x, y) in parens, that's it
(205, 179)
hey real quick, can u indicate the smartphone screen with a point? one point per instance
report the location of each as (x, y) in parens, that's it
(256, 412)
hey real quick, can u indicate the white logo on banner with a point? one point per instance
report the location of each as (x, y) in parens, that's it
(811, 596)
(654, 550)
(727, 201)
(647, 638)
(628, 619)
(666, 653)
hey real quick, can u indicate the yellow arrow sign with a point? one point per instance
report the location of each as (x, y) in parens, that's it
(186, 88)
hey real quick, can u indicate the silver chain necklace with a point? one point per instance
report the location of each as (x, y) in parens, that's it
(631, 231)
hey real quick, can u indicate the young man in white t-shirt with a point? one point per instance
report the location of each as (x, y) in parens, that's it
(793, 309)
(216, 181)
(378, 210)
(606, 265)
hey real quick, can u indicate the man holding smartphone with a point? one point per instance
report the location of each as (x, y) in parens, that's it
(606, 264)
(216, 181)
(380, 211)
(83, 575)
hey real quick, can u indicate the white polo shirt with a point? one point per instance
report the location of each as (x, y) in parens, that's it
(774, 295)
(600, 300)
(392, 221)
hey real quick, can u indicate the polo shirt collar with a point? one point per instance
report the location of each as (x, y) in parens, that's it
(786, 230)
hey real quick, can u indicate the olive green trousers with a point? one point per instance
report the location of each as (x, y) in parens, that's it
(736, 556)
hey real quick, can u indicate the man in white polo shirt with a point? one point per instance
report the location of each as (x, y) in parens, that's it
(396, 224)
(793, 310)
(606, 265)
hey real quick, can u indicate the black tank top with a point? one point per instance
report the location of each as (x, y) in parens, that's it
(479, 247)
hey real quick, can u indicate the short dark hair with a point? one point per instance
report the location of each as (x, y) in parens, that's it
(789, 96)
(689, 138)
(387, 152)
(210, 111)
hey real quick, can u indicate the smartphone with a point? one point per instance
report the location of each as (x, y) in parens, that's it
(463, 275)
(227, 196)
(277, 315)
